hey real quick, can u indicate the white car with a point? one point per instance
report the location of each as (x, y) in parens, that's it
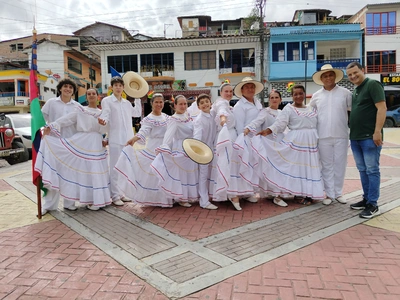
(21, 123)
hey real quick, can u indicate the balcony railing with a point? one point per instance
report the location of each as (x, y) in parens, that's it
(203, 31)
(393, 68)
(382, 30)
(337, 63)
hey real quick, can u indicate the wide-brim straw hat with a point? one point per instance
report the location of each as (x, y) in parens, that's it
(198, 151)
(327, 68)
(134, 85)
(238, 88)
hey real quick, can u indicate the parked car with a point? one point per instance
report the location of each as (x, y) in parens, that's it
(11, 147)
(21, 123)
(392, 116)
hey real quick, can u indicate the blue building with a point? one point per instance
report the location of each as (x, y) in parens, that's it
(296, 52)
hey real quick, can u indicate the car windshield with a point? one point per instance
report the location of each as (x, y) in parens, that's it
(21, 121)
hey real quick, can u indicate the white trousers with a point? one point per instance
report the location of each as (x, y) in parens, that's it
(204, 174)
(115, 151)
(333, 156)
(51, 200)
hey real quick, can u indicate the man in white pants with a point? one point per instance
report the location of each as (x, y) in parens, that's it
(332, 102)
(117, 113)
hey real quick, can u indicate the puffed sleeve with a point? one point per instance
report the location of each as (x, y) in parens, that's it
(144, 131)
(64, 121)
(172, 127)
(282, 121)
(239, 113)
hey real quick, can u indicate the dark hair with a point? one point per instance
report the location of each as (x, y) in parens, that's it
(275, 91)
(64, 82)
(156, 95)
(298, 86)
(97, 92)
(116, 79)
(354, 64)
(202, 96)
(178, 97)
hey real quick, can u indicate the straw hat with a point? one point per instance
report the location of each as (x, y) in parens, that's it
(198, 151)
(134, 85)
(238, 88)
(327, 68)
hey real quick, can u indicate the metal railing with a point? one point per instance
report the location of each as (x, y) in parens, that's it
(393, 68)
(337, 63)
(382, 30)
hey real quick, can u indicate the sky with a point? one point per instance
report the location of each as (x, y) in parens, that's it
(149, 17)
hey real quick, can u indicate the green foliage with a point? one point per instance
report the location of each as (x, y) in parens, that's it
(252, 18)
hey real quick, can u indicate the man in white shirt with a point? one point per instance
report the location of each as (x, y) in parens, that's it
(117, 112)
(332, 102)
(52, 110)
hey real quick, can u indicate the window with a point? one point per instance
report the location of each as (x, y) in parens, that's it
(278, 52)
(13, 47)
(381, 23)
(20, 47)
(73, 43)
(237, 59)
(74, 65)
(92, 74)
(200, 60)
(381, 61)
(123, 63)
(293, 51)
(309, 51)
(337, 53)
(157, 63)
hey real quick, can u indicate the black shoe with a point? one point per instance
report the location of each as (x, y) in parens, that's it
(359, 205)
(369, 211)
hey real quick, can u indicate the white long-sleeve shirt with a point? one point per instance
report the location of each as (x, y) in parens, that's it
(332, 107)
(245, 112)
(55, 108)
(118, 115)
(205, 128)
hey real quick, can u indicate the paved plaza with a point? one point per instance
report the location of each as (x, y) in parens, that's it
(262, 252)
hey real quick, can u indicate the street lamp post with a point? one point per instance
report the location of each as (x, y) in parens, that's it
(305, 70)
(90, 70)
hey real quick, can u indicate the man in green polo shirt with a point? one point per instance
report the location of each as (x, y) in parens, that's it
(368, 113)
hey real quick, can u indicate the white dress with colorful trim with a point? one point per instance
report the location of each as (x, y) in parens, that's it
(76, 166)
(135, 177)
(177, 173)
(266, 117)
(291, 165)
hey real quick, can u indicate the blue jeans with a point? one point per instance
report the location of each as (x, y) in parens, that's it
(366, 154)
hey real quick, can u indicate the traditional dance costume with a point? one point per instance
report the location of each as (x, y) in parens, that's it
(52, 110)
(291, 165)
(177, 173)
(134, 175)
(77, 167)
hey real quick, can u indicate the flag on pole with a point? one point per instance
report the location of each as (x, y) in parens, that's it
(37, 120)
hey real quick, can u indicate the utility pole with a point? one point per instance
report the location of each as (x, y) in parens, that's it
(261, 4)
(165, 29)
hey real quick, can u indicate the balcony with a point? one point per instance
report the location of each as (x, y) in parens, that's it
(393, 68)
(382, 30)
(337, 63)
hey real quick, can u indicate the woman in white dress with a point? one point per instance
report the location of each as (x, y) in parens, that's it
(77, 166)
(293, 164)
(135, 177)
(266, 117)
(177, 173)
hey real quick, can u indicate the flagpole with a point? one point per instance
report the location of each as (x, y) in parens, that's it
(34, 68)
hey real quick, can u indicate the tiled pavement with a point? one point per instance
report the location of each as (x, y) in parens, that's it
(263, 252)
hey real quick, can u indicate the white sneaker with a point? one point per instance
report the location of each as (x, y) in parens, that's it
(327, 201)
(252, 199)
(185, 204)
(279, 201)
(72, 208)
(211, 206)
(236, 205)
(118, 202)
(92, 207)
(341, 199)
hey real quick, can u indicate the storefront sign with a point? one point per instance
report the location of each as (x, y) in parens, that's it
(6, 101)
(390, 79)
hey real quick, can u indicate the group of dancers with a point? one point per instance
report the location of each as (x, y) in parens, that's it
(258, 152)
